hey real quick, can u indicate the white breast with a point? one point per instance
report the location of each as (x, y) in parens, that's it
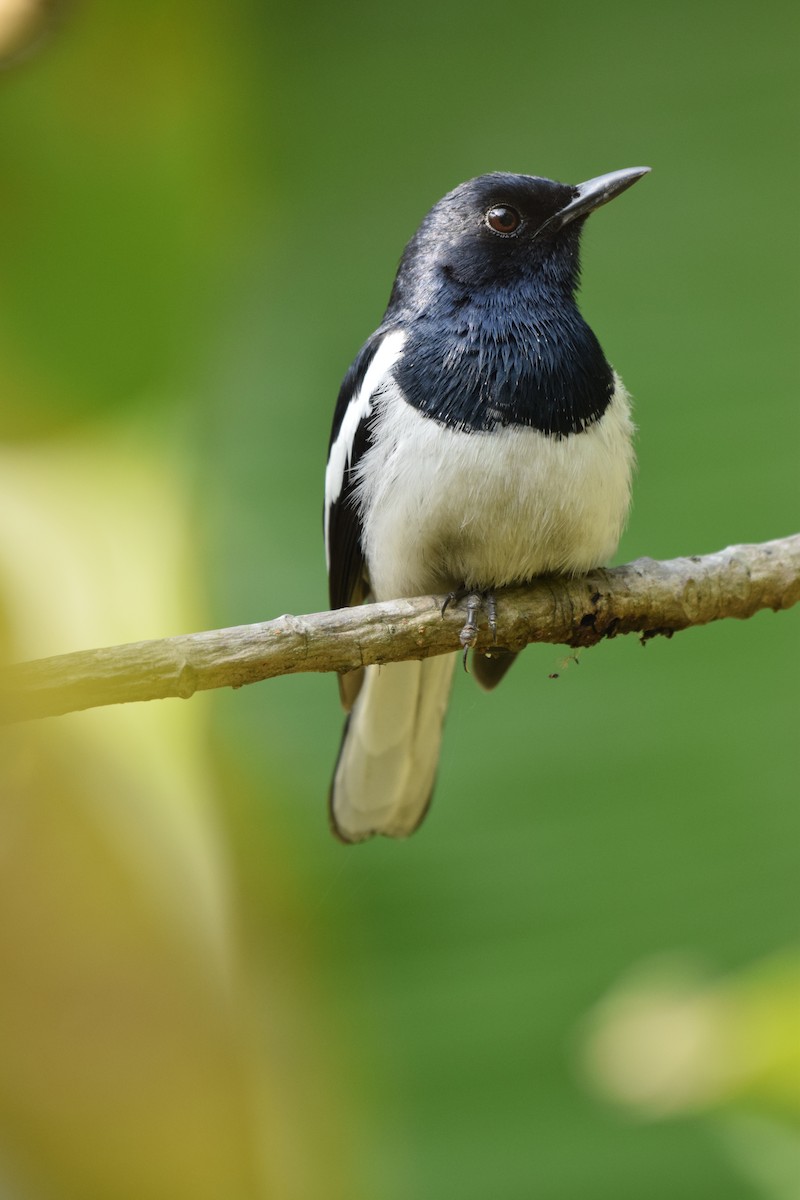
(442, 509)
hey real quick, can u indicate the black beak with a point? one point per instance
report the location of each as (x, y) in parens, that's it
(594, 193)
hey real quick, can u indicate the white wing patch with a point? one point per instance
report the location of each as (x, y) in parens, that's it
(358, 409)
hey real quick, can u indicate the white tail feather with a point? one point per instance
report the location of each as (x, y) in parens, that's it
(390, 753)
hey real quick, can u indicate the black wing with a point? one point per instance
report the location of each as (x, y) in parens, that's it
(350, 439)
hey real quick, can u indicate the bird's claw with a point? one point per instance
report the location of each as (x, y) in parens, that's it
(475, 602)
(449, 599)
(469, 634)
(491, 614)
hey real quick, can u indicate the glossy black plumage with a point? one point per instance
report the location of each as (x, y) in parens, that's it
(346, 582)
(495, 335)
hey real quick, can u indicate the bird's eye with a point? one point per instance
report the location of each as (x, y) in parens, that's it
(503, 219)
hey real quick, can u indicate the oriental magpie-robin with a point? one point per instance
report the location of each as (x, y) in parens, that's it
(480, 439)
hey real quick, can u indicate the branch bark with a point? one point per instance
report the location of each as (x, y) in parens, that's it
(647, 597)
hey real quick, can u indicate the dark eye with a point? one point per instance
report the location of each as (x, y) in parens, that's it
(503, 219)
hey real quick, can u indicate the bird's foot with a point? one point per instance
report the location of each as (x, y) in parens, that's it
(475, 602)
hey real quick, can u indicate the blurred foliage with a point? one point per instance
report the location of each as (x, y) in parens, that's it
(670, 1038)
(202, 209)
(143, 1044)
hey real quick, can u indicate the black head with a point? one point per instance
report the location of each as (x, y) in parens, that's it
(500, 228)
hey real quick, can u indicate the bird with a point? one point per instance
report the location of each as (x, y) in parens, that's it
(480, 438)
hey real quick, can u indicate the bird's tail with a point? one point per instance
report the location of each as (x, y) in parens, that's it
(387, 763)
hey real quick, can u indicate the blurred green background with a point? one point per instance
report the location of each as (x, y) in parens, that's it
(201, 212)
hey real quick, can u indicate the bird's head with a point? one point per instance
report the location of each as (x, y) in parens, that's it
(500, 229)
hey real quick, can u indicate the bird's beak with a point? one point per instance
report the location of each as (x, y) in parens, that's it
(595, 192)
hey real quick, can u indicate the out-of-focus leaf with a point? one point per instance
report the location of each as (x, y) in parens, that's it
(144, 1053)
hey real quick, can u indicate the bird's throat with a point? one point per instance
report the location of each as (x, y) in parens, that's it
(489, 364)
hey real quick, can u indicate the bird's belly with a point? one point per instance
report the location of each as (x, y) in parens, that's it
(442, 508)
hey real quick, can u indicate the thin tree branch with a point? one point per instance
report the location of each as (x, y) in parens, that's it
(646, 597)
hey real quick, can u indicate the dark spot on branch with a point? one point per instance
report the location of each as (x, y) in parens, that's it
(648, 634)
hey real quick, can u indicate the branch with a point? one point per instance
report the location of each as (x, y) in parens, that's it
(646, 597)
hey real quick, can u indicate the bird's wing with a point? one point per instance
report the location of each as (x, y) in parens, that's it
(348, 578)
(347, 583)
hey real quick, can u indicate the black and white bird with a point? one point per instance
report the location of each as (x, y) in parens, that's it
(480, 439)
